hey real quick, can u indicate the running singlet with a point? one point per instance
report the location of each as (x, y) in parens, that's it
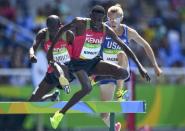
(88, 45)
(111, 49)
(61, 50)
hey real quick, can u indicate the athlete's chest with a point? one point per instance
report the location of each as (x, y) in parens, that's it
(60, 51)
(109, 43)
(60, 45)
(81, 28)
(94, 37)
(91, 46)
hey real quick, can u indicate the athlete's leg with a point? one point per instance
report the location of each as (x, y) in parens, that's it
(86, 88)
(47, 84)
(61, 72)
(107, 90)
(123, 62)
(52, 96)
(107, 69)
(42, 90)
(60, 69)
(106, 94)
(116, 72)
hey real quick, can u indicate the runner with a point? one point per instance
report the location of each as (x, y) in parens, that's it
(56, 75)
(89, 35)
(112, 52)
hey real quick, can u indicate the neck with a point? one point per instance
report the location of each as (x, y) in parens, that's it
(95, 26)
(51, 37)
(118, 30)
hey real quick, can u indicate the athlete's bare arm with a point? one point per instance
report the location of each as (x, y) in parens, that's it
(128, 51)
(69, 36)
(39, 40)
(132, 34)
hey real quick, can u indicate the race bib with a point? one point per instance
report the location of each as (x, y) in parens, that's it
(91, 47)
(61, 55)
(90, 51)
(110, 55)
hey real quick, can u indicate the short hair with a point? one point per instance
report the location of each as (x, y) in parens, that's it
(98, 9)
(116, 9)
(52, 19)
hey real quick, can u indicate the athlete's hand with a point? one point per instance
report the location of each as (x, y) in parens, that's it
(144, 73)
(158, 70)
(33, 59)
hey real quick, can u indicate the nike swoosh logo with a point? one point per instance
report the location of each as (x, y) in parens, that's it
(108, 38)
(88, 35)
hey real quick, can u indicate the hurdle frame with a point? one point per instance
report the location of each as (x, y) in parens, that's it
(81, 107)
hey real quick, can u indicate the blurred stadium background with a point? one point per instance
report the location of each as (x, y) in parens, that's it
(160, 22)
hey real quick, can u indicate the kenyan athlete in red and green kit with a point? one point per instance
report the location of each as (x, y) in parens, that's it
(85, 60)
(61, 53)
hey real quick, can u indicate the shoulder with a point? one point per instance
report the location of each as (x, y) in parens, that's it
(42, 33)
(132, 33)
(131, 30)
(124, 26)
(61, 26)
(81, 19)
(43, 30)
(106, 25)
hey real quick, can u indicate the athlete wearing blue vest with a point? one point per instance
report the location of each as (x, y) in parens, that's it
(112, 52)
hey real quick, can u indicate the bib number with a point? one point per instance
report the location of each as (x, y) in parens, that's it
(111, 55)
(90, 51)
(61, 56)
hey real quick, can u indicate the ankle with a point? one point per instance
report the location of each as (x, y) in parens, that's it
(62, 112)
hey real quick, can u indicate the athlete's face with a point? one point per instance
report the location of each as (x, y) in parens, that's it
(114, 20)
(53, 27)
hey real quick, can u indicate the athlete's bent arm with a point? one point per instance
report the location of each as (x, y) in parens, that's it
(132, 34)
(128, 51)
(40, 38)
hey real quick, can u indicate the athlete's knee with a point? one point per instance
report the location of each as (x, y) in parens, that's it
(122, 56)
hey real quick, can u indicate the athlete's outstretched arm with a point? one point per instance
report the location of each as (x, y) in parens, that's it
(40, 38)
(128, 51)
(132, 34)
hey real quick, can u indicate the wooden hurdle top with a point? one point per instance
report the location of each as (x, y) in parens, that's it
(80, 107)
